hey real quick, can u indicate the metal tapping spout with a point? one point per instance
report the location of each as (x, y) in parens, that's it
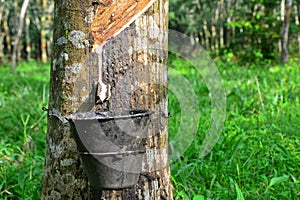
(103, 90)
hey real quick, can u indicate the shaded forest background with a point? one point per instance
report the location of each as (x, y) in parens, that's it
(236, 30)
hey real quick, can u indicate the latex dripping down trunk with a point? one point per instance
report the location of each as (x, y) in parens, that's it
(111, 18)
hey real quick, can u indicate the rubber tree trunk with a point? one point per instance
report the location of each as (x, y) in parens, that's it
(2, 34)
(16, 47)
(285, 31)
(43, 31)
(28, 42)
(138, 79)
(6, 32)
(297, 16)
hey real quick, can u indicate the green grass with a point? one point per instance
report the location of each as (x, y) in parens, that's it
(22, 129)
(256, 157)
(258, 153)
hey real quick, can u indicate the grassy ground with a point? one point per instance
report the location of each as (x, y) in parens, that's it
(258, 153)
(22, 129)
(256, 157)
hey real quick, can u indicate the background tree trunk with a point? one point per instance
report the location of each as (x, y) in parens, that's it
(297, 21)
(49, 39)
(228, 20)
(43, 31)
(137, 78)
(2, 34)
(221, 23)
(285, 31)
(6, 32)
(2, 57)
(16, 48)
(28, 43)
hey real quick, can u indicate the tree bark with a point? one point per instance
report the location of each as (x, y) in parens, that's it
(282, 9)
(2, 57)
(207, 35)
(16, 47)
(222, 14)
(49, 23)
(2, 34)
(285, 31)
(138, 80)
(297, 21)
(43, 32)
(6, 31)
(28, 42)
(215, 21)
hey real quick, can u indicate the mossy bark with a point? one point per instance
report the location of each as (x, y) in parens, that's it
(138, 80)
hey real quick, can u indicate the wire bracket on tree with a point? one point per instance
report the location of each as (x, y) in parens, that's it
(56, 113)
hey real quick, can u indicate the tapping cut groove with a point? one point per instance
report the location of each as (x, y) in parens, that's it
(111, 18)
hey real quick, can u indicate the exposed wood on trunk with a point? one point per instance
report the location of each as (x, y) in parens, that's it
(285, 31)
(16, 47)
(133, 73)
(114, 17)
